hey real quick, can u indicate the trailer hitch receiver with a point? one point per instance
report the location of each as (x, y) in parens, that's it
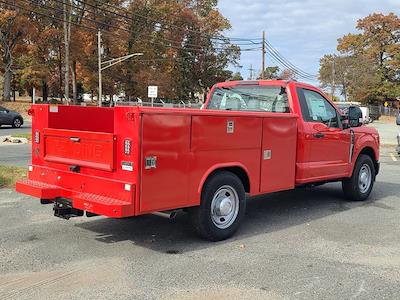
(63, 209)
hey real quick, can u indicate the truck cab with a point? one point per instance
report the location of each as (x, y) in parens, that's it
(251, 138)
(326, 145)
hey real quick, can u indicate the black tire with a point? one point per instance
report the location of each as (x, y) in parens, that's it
(17, 123)
(354, 188)
(203, 220)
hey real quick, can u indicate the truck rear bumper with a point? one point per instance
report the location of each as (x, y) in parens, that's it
(96, 204)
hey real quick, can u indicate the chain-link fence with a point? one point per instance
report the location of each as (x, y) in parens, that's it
(375, 110)
(163, 104)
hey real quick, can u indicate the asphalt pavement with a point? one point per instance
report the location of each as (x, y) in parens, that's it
(387, 131)
(19, 154)
(303, 244)
(8, 130)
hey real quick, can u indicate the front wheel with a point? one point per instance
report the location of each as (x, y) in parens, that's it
(222, 208)
(360, 184)
(17, 123)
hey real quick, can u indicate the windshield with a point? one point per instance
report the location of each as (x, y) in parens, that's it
(250, 98)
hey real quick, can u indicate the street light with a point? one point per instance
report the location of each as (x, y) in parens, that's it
(109, 63)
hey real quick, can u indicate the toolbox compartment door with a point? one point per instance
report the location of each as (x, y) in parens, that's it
(166, 144)
(80, 148)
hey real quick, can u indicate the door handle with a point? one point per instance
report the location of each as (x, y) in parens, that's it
(319, 135)
(75, 139)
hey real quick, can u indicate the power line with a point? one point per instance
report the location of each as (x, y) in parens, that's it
(119, 9)
(286, 67)
(222, 40)
(274, 53)
(284, 64)
(192, 47)
(91, 29)
(277, 53)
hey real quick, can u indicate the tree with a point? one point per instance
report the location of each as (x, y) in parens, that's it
(354, 76)
(288, 74)
(236, 76)
(271, 73)
(372, 60)
(13, 27)
(185, 58)
(184, 49)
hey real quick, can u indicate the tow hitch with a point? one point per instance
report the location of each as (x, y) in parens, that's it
(63, 209)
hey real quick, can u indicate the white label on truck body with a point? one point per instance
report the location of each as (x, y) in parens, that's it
(53, 108)
(127, 166)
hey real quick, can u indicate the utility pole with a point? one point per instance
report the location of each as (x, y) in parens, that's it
(251, 72)
(100, 94)
(67, 40)
(333, 76)
(263, 57)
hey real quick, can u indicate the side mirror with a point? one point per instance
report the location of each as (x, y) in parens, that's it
(398, 120)
(355, 116)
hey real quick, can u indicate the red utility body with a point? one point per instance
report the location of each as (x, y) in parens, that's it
(127, 161)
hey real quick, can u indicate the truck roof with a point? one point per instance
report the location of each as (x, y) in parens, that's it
(262, 82)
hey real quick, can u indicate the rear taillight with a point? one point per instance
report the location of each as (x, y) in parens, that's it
(37, 137)
(127, 147)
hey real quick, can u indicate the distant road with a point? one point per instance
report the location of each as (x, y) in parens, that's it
(15, 155)
(8, 130)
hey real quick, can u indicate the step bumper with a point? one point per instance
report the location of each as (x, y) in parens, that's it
(38, 189)
(97, 204)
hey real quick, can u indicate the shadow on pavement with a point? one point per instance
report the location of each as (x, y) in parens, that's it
(265, 214)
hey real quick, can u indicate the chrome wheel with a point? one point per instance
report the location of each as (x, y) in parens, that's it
(224, 207)
(17, 123)
(364, 178)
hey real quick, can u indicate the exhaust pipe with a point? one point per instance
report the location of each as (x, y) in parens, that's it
(166, 214)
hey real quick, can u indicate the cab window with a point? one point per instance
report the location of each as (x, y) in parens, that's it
(250, 98)
(315, 108)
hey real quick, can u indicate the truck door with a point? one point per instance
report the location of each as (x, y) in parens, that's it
(325, 145)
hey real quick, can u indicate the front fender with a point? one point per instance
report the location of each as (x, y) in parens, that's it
(366, 143)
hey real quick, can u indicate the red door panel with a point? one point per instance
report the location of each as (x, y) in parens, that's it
(82, 148)
(278, 157)
(166, 142)
(328, 151)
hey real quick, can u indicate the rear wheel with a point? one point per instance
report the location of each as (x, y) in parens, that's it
(360, 184)
(222, 207)
(17, 123)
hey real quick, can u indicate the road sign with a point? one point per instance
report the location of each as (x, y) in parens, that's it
(152, 91)
(386, 104)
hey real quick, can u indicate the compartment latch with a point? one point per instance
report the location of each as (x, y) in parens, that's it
(150, 162)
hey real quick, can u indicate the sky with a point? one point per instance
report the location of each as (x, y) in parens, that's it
(301, 30)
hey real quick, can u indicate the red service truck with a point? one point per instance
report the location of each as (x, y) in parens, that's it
(251, 137)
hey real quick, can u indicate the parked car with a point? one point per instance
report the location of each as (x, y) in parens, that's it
(374, 113)
(9, 117)
(253, 137)
(344, 108)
